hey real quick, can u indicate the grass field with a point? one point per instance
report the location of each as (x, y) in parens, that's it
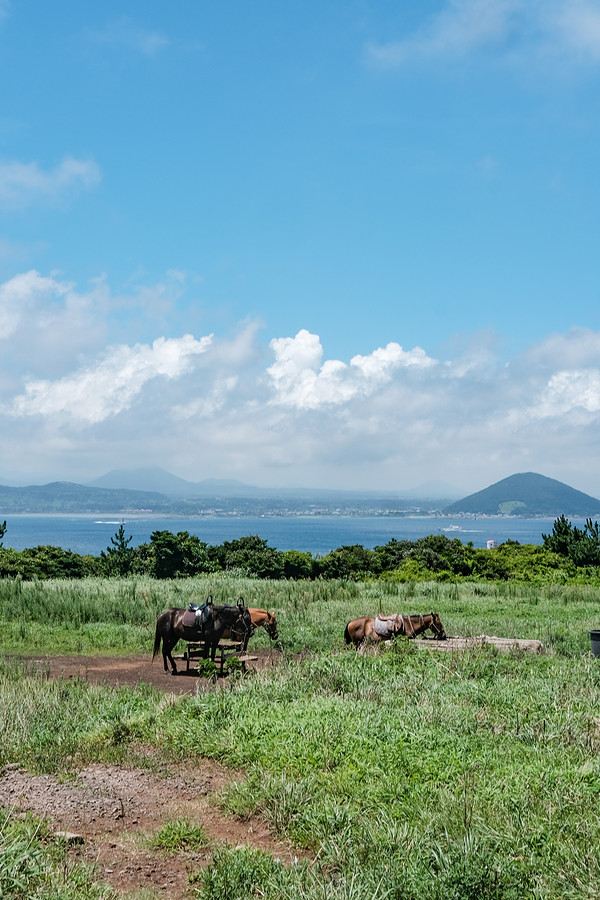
(406, 773)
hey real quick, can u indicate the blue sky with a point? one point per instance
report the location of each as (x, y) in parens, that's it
(334, 244)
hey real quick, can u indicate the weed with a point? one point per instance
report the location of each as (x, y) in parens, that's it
(180, 834)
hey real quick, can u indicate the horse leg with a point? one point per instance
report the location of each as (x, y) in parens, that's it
(167, 648)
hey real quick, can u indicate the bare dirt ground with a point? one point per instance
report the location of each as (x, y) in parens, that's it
(112, 810)
(134, 670)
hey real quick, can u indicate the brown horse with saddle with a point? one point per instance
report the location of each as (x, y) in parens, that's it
(206, 623)
(384, 628)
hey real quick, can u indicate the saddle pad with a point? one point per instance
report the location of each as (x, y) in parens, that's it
(189, 618)
(384, 627)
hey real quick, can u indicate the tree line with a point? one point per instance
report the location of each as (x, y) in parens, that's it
(567, 553)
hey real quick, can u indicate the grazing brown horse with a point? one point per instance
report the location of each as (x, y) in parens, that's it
(384, 628)
(261, 618)
(171, 626)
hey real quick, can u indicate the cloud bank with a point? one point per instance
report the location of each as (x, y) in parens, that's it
(278, 411)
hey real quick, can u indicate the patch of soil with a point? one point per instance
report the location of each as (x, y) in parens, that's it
(134, 670)
(109, 812)
(112, 810)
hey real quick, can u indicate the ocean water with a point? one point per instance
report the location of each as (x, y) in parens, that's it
(316, 534)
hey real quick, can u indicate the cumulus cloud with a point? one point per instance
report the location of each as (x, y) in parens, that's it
(22, 184)
(283, 410)
(569, 391)
(18, 298)
(47, 324)
(301, 380)
(106, 389)
(568, 28)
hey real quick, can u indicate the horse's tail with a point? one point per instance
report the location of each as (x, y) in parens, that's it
(347, 637)
(157, 638)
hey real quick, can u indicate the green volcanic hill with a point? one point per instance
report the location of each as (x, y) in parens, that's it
(527, 494)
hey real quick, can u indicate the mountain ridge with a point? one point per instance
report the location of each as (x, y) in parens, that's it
(165, 482)
(527, 494)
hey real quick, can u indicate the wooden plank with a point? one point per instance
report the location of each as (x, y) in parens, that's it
(225, 650)
(474, 643)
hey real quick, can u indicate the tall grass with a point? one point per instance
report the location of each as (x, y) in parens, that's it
(119, 615)
(405, 773)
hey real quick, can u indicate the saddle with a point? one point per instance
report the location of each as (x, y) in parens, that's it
(385, 626)
(198, 617)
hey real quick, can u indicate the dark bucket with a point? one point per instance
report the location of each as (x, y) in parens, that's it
(595, 638)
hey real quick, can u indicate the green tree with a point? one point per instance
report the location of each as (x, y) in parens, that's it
(352, 561)
(118, 558)
(252, 554)
(562, 534)
(297, 565)
(43, 562)
(179, 555)
(580, 545)
(2, 531)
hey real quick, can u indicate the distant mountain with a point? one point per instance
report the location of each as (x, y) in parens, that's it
(527, 494)
(157, 479)
(220, 499)
(65, 497)
(155, 491)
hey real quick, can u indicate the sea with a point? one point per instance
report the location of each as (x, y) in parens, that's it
(318, 535)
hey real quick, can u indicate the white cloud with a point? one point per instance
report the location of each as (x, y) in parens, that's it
(75, 403)
(47, 326)
(300, 380)
(22, 184)
(525, 29)
(21, 296)
(124, 32)
(96, 393)
(569, 391)
(576, 26)
(461, 27)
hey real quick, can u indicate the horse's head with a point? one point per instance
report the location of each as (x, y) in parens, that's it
(270, 626)
(437, 627)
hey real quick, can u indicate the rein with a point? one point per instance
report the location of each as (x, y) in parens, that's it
(403, 619)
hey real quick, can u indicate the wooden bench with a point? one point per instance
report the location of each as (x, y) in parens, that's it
(225, 650)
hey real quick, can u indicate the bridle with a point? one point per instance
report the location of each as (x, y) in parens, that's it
(271, 630)
(402, 630)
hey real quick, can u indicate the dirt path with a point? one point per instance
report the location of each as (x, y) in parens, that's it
(134, 670)
(113, 810)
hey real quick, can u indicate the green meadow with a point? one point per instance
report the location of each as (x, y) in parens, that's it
(403, 773)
